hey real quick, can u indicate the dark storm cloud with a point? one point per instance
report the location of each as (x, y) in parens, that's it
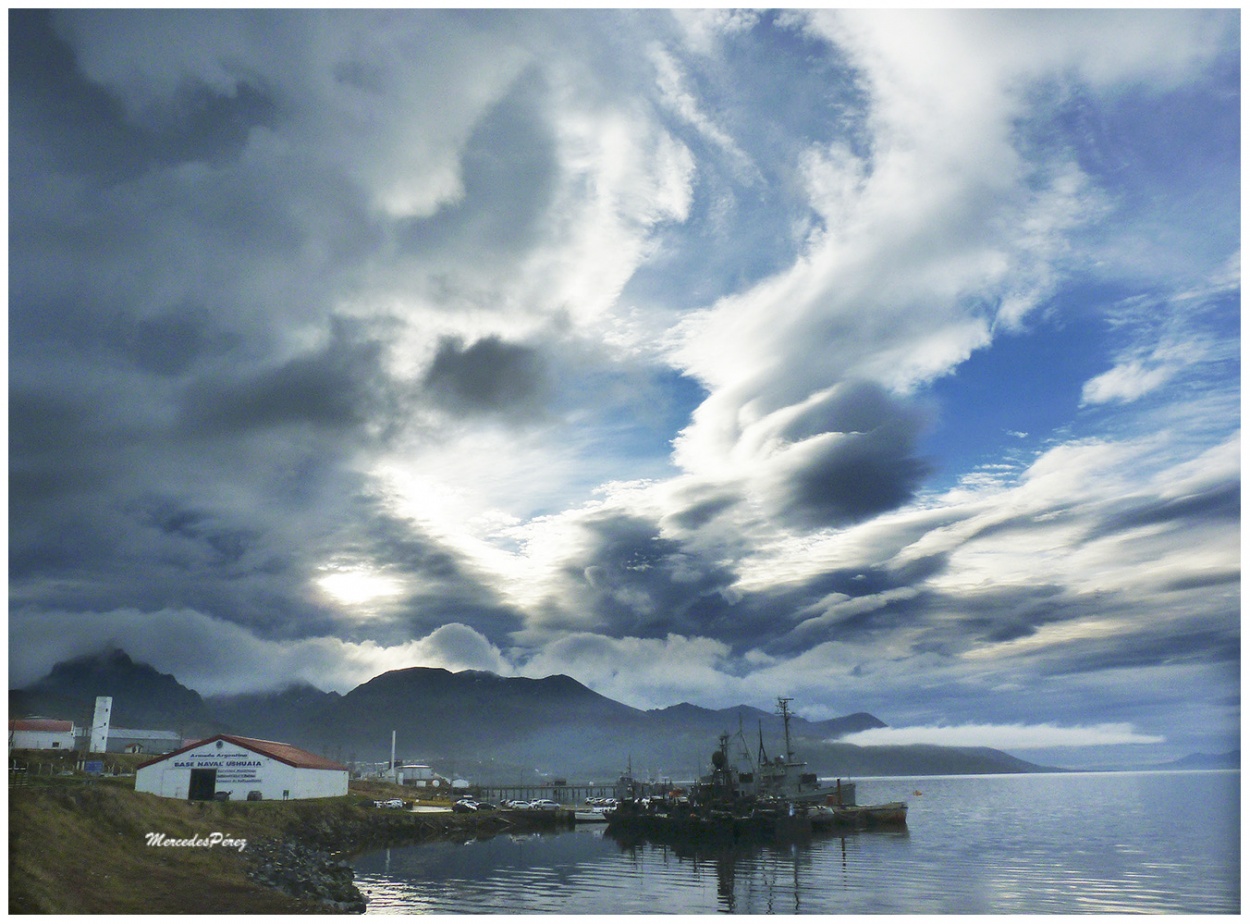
(1219, 503)
(637, 583)
(1169, 645)
(170, 343)
(508, 174)
(337, 387)
(489, 376)
(703, 511)
(48, 433)
(854, 457)
(77, 125)
(848, 605)
(1204, 581)
(1001, 615)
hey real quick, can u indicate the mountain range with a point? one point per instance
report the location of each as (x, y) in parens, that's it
(485, 727)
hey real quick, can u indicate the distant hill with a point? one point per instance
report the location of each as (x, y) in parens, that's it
(486, 727)
(293, 714)
(1228, 761)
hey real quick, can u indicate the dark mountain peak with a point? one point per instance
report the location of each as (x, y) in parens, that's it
(143, 697)
(111, 657)
(563, 683)
(106, 659)
(410, 673)
(847, 724)
(479, 675)
(681, 709)
(112, 668)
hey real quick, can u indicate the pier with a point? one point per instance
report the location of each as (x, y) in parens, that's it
(567, 793)
(564, 793)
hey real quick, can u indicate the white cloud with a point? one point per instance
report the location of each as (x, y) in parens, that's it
(644, 673)
(212, 656)
(1126, 382)
(676, 96)
(704, 29)
(942, 233)
(1005, 737)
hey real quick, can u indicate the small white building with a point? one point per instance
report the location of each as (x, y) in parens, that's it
(37, 734)
(244, 768)
(420, 775)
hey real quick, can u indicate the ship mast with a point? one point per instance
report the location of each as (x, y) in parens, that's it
(783, 708)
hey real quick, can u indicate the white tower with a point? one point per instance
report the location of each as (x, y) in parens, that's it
(100, 724)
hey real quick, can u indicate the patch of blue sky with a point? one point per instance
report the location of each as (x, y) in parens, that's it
(641, 433)
(1012, 397)
(1167, 163)
(773, 94)
(626, 432)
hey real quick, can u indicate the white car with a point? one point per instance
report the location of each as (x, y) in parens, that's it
(516, 804)
(544, 805)
(393, 803)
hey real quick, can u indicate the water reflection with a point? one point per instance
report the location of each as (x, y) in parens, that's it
(1005, 845)
(752, 877)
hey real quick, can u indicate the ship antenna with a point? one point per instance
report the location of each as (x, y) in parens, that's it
(783, 706)
(746, 752)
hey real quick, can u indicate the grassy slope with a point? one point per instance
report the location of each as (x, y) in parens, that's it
(81, 848)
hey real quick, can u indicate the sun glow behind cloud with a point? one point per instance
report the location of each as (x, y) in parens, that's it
(359, 585)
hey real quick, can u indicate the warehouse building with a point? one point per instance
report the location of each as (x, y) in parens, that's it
(39, 734)
(141, 741)
(241, 768)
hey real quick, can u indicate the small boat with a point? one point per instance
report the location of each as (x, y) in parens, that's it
(590, 816)
(886, 815)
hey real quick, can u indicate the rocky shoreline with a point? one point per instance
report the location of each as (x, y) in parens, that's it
(306, 873)
(311, 861)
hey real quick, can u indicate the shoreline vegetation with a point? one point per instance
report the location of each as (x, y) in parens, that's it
(82, 846)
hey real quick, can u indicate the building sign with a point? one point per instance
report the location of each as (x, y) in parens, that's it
(238, 767)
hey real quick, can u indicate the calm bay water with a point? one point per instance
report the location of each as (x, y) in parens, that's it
(1015, 844)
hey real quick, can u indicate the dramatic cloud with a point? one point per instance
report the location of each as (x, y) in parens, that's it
(488, 376)
(885, 359)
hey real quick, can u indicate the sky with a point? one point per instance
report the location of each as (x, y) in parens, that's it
(889, 361)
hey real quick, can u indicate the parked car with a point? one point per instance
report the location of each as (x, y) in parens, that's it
(544, 805)
(464, 805)
(393, 803)
(516, 804)
(486, 806)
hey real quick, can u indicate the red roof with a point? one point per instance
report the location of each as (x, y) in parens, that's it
(40, 725)
(285, 753)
